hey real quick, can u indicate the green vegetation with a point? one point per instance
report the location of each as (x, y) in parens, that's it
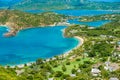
(98, 52)
(65, 4)
(101, 41)
(8, 74)
(22, 20)
(113, 17)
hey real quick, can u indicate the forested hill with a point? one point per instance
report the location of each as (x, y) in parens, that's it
(59, 4)
(66, 4)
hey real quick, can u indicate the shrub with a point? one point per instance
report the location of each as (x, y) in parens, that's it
(103, 59)
(77, 59)
(82, 66)
(55, 65)
(113, 59)
(87, 62)
(73, 71)
(39, 61)
(65, 76)
(64, 68)
(58, 74)
(67, 63)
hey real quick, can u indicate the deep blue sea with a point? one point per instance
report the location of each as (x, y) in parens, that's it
(31, 44)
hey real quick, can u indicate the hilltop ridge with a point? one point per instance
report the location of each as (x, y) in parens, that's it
(59, 4)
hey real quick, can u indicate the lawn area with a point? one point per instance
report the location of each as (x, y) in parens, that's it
(73, 65)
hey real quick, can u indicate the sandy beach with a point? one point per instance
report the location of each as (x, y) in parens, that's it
(22, 65)
(81, 41)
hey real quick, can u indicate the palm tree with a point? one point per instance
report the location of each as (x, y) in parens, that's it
(39, 61)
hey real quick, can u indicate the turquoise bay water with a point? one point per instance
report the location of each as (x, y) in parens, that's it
(84, 12)
(76, 12)
(90, 24)
(31, 44)
(106, 0)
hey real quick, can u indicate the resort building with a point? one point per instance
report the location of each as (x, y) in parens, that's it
(19, 72)
(111, 66)
(95, 72)
(73, 75)
(118, 46)
(113, 78)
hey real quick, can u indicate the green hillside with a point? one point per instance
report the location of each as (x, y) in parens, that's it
(17, 20)
(65, 4)
(7, 74)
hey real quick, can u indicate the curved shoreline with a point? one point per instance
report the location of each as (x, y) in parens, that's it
(81, 41)
(65, 54)
(12, 32)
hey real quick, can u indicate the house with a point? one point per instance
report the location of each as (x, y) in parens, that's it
(103, 36)
(72, 57)
(72, 75)
(73, 31)
(19, 72)
(111, 66)
(50, 78)
(97, 65)
(113, 78)
(116, 55)
(118, 43)
(85, 54)
(79, 70)
(107, 63)
(95, 72)
(91, 27)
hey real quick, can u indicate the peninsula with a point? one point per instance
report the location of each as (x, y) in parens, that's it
(17, 20)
